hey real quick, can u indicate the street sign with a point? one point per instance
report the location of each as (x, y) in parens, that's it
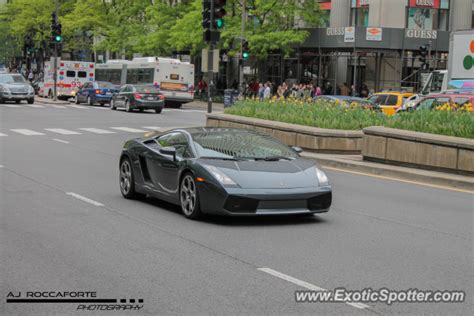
(349, 34)
(374, 34)
(213, 58)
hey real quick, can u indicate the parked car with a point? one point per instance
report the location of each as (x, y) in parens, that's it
(95, 92)
(140, 97)
(347, 101)
(14, 87)
(389, 102)
(455, 100)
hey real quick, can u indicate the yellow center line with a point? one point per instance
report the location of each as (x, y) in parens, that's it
(401, 180)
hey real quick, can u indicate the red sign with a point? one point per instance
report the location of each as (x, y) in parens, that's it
(424, 3)
(325, 5)
(362, 3)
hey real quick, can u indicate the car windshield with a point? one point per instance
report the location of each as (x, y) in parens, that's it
(147, 89)
(105, 85)
(240, 145)
(12, 79)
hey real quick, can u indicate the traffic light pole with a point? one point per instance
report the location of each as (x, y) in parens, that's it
(210, 63)
(241, 59)
(55, 62)
(210, 74)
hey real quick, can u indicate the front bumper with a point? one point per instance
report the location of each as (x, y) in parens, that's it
(260, 202)
(15, 97)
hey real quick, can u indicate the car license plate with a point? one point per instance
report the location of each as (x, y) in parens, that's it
(108, 93)
(150, 98)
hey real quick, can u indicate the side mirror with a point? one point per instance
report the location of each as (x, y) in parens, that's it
(298, 150)
(169, 151)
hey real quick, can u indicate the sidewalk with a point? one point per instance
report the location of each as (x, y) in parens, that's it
(355, 163)
(201, 105)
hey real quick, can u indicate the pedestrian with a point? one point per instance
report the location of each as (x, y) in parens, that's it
(328, 90)
(267, 92)
(345, 91)
(202, 87)
(317, 91)
(354, 91)
(260, 91)
(235, 85)
(30, 76)
(364, 91)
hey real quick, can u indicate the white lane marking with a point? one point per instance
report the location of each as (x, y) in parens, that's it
(62, 131)
(11, 105)
(3, 134)
(1, 166)
(34, 106)
(83, 198)
(77, 106)
(96, 130)
(26, 132)
(304, 284)
(61, 141)
(151, 127)
(129, 129)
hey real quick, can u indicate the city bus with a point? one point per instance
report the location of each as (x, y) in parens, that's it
(173, 77)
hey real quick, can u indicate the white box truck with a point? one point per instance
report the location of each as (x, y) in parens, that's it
(460, 72)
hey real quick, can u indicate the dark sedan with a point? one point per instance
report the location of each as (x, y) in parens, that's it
(95, 92)
(223, 171)
(140, 97)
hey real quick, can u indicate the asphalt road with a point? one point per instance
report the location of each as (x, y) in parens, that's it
(65, 227)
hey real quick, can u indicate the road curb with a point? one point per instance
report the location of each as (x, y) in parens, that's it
(402, 173)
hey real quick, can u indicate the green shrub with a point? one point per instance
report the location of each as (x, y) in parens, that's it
(324, 115)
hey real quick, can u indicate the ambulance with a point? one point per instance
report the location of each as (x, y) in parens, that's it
(71, 75)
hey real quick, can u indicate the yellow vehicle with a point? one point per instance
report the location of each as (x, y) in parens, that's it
(389, 102)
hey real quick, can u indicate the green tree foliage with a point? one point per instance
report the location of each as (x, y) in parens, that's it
(158, 27)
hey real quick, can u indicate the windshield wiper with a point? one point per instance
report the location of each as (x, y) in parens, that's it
(273, 158)
(222, 158)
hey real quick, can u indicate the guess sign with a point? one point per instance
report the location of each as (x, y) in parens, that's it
(424, 3)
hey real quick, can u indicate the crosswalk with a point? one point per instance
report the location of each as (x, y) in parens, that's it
(77, 131)
(51, 106)
(72, 106)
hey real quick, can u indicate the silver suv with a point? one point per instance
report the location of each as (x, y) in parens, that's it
(13, 87)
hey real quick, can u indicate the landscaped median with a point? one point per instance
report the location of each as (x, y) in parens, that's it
(439, 140)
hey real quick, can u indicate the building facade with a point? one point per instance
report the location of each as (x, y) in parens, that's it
(374, 42)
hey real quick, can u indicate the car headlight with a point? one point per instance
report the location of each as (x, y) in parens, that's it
(4, 89)
(31, 90)
(322, 177)
(219, 175)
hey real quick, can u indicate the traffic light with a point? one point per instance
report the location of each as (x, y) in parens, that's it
(218, 14)
(423, 53)
(245, 50)
(56, 29)
(58, 34)
(206, 14)
(212, 19)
